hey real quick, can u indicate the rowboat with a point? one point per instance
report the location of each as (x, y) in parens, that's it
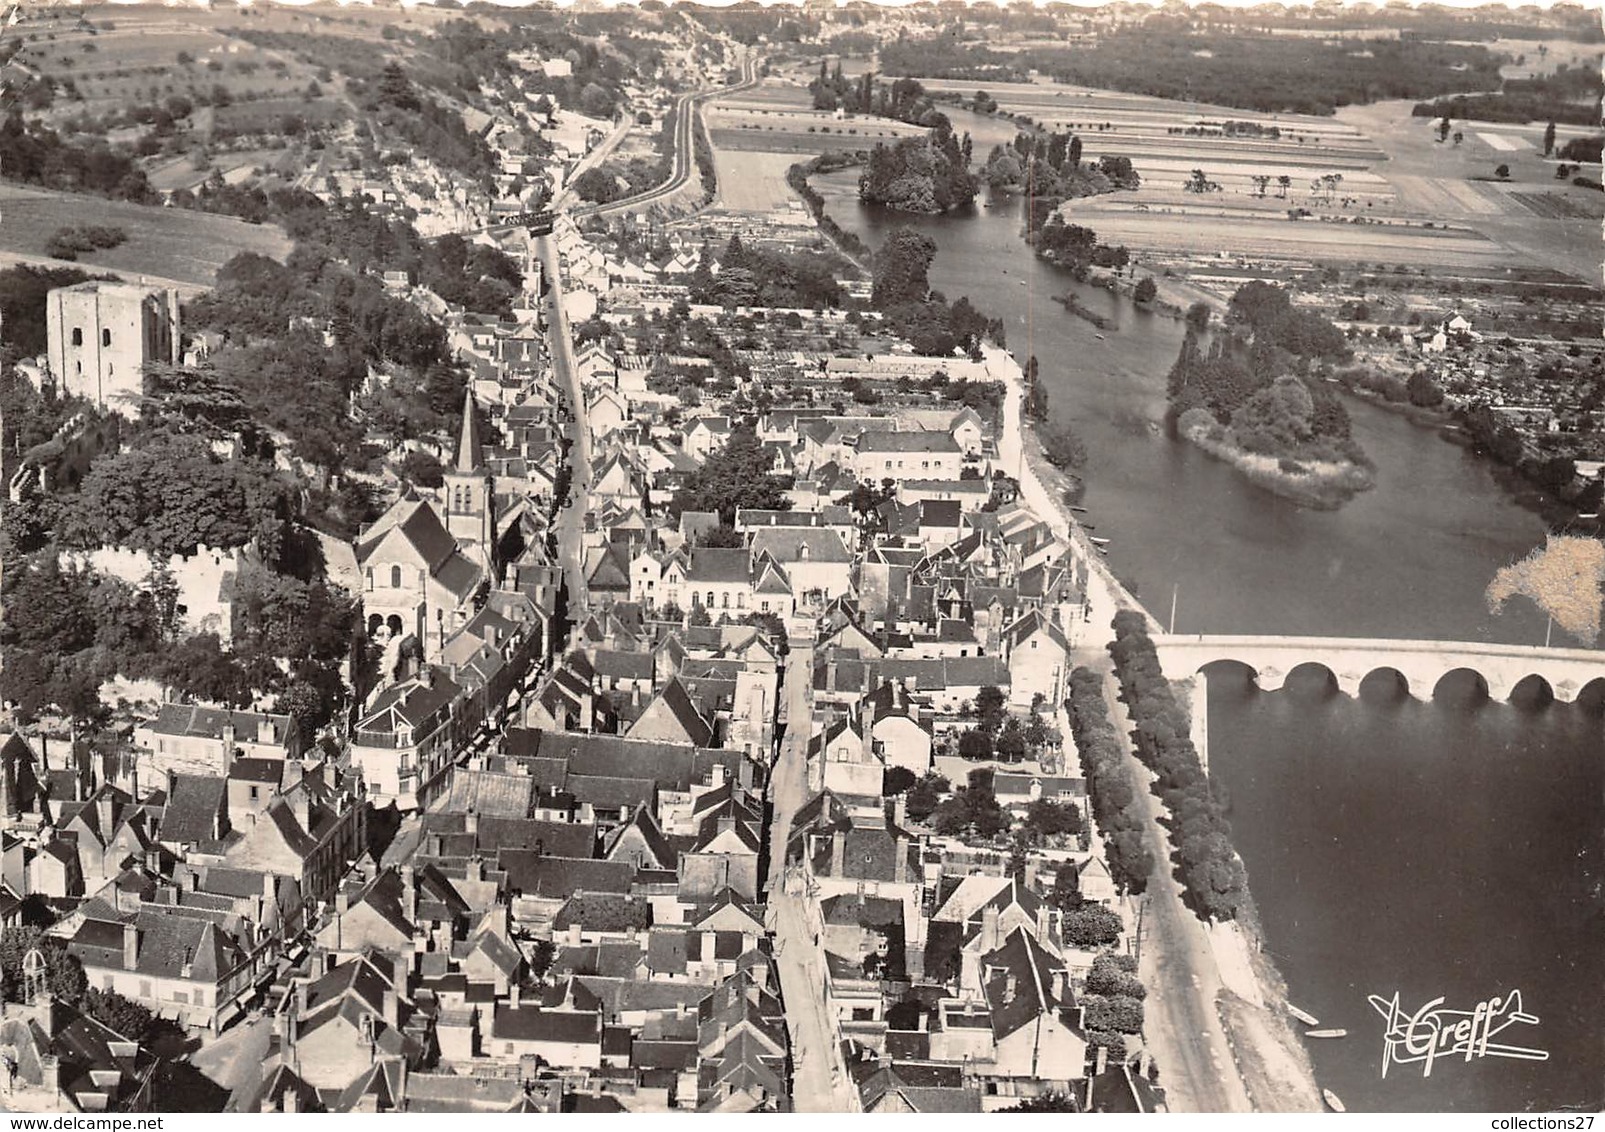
(1096, 541)
(1303, 1015)
(1332, 1101)
(1326, 1033)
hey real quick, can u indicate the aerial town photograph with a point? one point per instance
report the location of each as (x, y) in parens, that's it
(801, 557)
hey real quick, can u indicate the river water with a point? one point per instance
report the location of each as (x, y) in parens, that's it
(1450, 847)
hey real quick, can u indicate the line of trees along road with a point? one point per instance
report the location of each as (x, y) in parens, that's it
(1214, 883)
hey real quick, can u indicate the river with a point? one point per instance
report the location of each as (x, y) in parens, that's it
(1441, 847)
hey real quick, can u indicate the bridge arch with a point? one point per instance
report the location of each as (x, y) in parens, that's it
(1486, 688)
(1591, 696)
(1388, 677)
(1534, 687)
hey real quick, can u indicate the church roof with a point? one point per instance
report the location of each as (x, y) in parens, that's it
(470, 448)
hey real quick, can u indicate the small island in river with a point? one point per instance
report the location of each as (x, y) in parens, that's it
(1257, 399)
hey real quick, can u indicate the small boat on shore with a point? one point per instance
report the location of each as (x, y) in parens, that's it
(1332, 1101)
(1326, 1033)
(1098, 542)
(1303, 1015)
(1099, 337)
(1078, 510)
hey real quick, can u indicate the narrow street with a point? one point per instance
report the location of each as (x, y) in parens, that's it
(571, 518)
(1196, 1067)
(819, 1081)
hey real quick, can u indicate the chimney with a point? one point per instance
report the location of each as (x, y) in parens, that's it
(300, 1002)
(900, 811)
(838, 853)
(230, 739)
(709, 940)
(409, 894)
(1103, 1060)
(991, 936)
(513, 996)
(1044, 922)
(899, 859)
(471, 824)
(103, 812)
(716, 775)
(50, 1074)
(342, 902)
(392, 1008)
(130, 947)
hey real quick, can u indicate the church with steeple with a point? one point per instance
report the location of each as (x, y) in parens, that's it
(470, 494)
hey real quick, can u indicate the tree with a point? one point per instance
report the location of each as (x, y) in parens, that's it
(422, 468)
(975, 744)
(596, 101)
(1502, 171)
(923, 797)
(1046, 818)
(395, 89)
(1423, 390)
(901, 269)
(722, 536)
(1146, 290)
(737, 476)
(990, 704)
(64, 976)
(197, 666)
(1283, 183)
(1062, 447)
(1114, 975)
(1074, 152)
(897, 780)
(1198, 317)
(1549, 139)
(1120, 1014)
(1066, 895)
(1092, 925)
(973, 810)
(1047, 1102)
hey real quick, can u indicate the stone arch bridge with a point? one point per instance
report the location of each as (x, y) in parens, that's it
(1419, 665)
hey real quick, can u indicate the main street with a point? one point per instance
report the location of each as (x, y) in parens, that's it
(1177, 966)
(820, 1082)
(570, 523)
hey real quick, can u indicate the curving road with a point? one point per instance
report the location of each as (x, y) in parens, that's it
(687, 118)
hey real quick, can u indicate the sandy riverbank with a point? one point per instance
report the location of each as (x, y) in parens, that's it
(1270, 1057)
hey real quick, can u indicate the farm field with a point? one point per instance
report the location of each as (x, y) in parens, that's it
(1202, 232)
(174, 244)
(179, 173)
(753, 181)
(805, 131)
